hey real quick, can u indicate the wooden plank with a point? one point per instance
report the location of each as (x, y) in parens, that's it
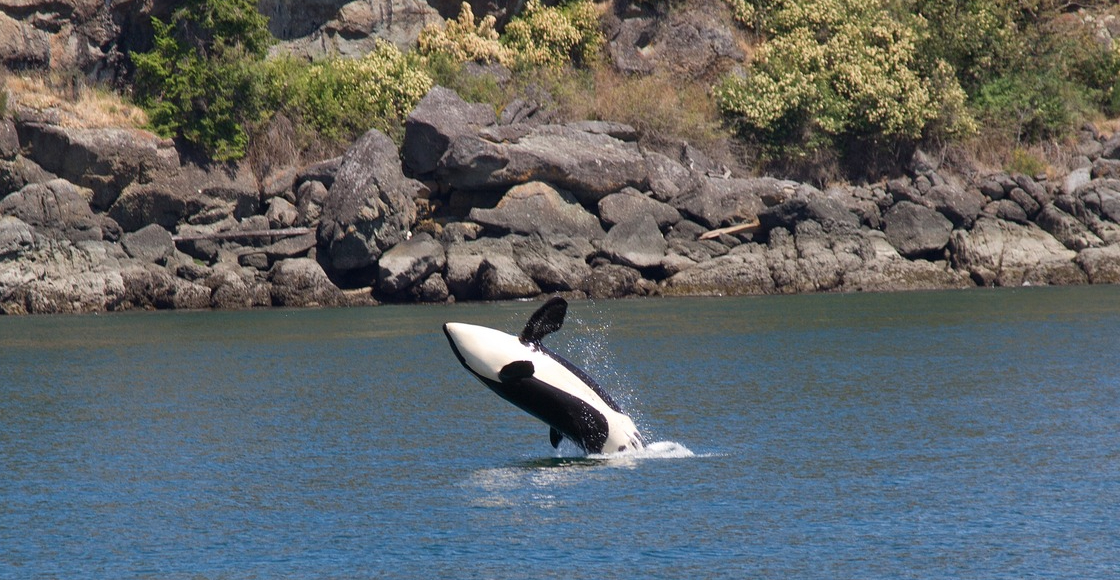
(735, 229)
(229, 235)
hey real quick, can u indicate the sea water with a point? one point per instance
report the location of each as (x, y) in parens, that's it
(970, 434)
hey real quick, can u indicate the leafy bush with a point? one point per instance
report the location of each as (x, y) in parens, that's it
(462, 40)
(555, 36)
(202, 81)
(838, 71)
(341, 98)
(541, 36)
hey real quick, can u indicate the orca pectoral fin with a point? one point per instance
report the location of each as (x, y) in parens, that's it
(554, 437)
(546, 320)
(516, 370)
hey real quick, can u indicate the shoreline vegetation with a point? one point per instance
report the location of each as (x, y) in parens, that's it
(237, 154)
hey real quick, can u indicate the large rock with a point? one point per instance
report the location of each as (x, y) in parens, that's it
(637, 243)
(103, 160)
(235, 287)
(612, 281)
(409, 263)
(500, 278)
(743, 270)
(302, 282)
(148, 286)
(464, 260)
(150, 244)
(558, 264)
(56, 209)
(1066, 229)
(324, 28)
(961, 206)
(57, 276)
(438, 119)
(193, 194)
(1101, 265)
(831, 213)
(915, 230)
(718, 202)
(1007, 254)
(589, 164)
(629, 204)
(16, 237)
(371, 204)
(536, 208)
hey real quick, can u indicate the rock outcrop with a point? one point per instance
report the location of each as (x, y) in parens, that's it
(478, 206)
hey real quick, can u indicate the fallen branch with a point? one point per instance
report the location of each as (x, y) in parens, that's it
(751, 226)
(228, 235)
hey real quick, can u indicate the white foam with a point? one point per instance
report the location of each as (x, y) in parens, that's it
(656, 450)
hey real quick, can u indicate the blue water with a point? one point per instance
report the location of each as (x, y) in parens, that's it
(927, 435)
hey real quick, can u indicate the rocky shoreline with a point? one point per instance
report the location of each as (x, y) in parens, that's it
(476, 208)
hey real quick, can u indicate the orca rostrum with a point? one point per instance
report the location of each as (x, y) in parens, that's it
(542, 383)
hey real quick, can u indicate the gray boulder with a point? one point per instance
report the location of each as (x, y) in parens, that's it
(438, 119)
(998, 253)
(500, 278)
(743, 270)
(103, 160)
(557, 264)
(1005, 209)
(637, 243)
(56, 209)
(234, 287)
(1066, 229)
(301, 282)
(590, 165)
(536, 208)
(464, 259)
(1101, 265)
(828, 211)
(150, 244)
(148, 286)
(409, 263)
(57, 276)
(193, 194)
(718, 202)
(915, 230)
(371, 205)
(629, 204)
(16, 237)
(611, 281)
(961, 206)
(326, 28)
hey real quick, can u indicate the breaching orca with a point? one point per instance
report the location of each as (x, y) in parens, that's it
(542, 383)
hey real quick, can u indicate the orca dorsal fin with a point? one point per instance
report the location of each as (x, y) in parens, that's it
(516, 370)
(546, 320)
(554, 437)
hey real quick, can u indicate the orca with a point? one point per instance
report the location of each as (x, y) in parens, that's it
(542, 383)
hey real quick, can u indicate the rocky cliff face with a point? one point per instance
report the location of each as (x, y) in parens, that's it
(474, 207)
(480, 209)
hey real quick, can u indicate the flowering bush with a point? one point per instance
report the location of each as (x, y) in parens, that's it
(341, 97)
(838, 69)
(540, 36)
(463, 40)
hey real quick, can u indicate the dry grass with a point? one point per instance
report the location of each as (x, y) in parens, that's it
(76, 105)
(662, 108)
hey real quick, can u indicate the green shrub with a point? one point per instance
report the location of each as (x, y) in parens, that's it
(555, 36)
(342, 98)
(202, 81)
(463, 40)
(540, 36)
(838, 71)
